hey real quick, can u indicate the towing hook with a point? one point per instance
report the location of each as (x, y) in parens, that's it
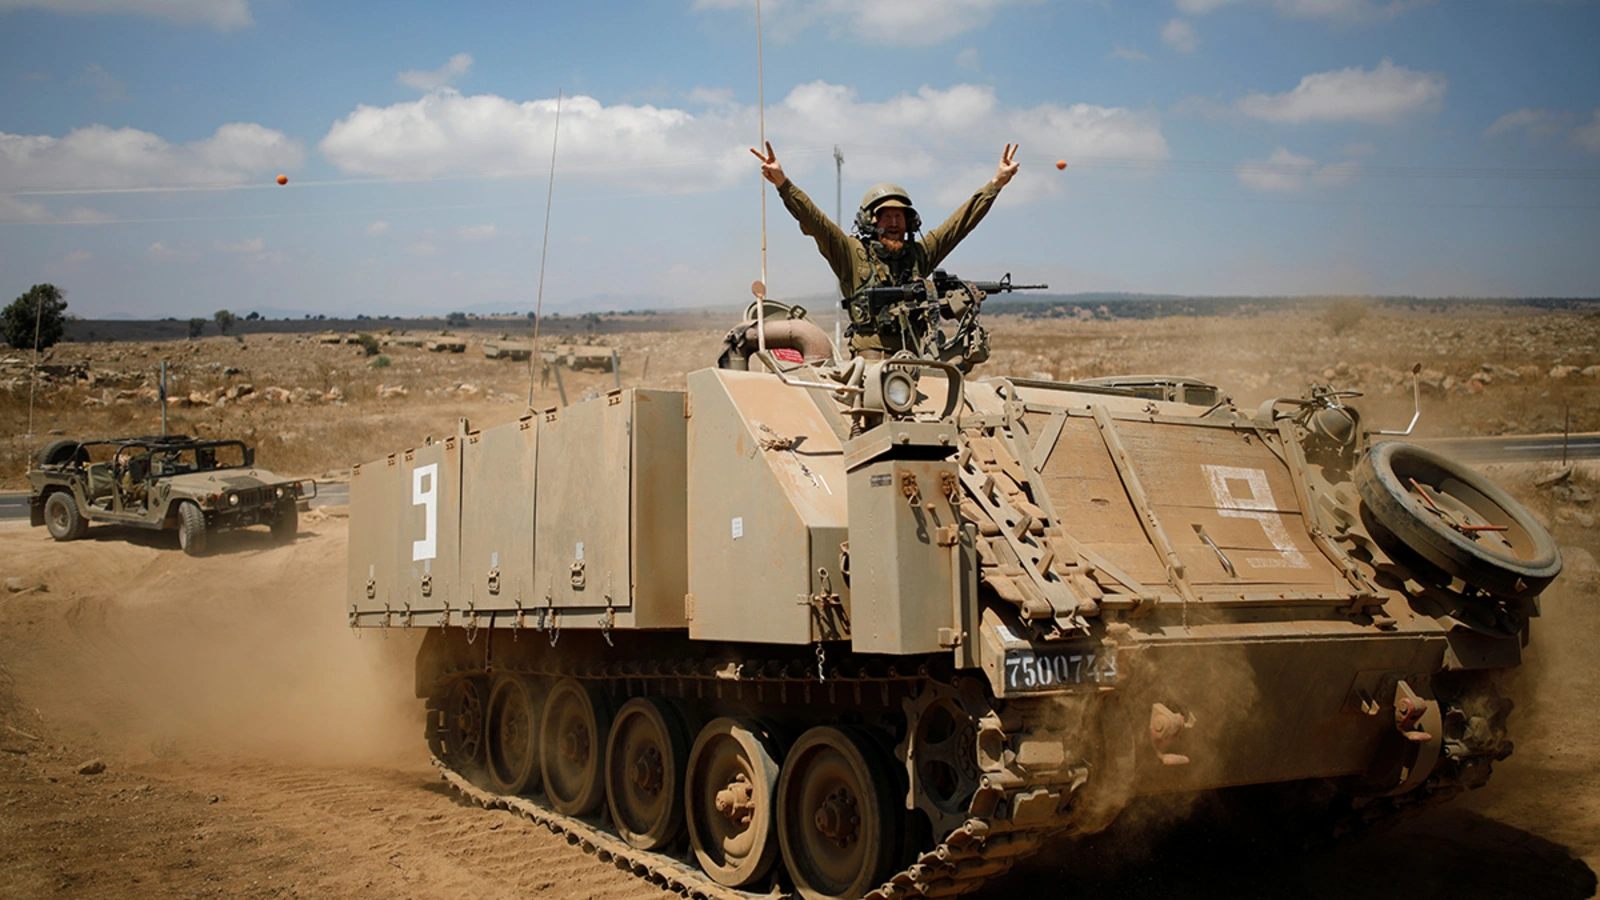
(1409, 708)
(1166, 731)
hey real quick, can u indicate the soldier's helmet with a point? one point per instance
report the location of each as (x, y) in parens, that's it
(885, 195)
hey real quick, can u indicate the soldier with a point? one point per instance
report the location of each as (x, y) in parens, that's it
(884, 250)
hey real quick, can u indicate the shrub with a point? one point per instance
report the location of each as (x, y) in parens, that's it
(381, 362)
(369, 344)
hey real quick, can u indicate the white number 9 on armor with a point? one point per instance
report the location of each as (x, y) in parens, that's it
(427, 548)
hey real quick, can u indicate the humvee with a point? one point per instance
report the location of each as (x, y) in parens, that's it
(180, 483)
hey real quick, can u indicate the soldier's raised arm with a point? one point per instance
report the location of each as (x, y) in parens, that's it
(1008, 166)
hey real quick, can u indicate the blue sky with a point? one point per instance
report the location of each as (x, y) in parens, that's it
(1215, 146)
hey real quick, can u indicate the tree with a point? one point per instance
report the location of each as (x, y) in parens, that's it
(197, 326)
(253, 316)
(38, 317)
(456, 320)
(224, 319)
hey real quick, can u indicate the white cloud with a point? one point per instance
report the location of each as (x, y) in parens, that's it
(1338, 11)
(98, 157)
(1132, 54)
(929, 133)
(477, 232)
(1287, 173)
(159, 252)
(14, 211)
(968, 59)
(897, 22)
(431, 80)
(1382, 95)
(377, 228)
(1537, 122)
(710, 97)
(223, 15)
(1587, 136)
(423, 249)
(1180, 36)
(248, 245)
(107, 88)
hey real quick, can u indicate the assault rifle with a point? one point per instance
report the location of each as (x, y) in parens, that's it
(906, 316)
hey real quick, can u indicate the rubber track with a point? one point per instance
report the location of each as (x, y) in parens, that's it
(977, 851)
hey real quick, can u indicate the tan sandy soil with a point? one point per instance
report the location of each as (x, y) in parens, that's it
(254, 747)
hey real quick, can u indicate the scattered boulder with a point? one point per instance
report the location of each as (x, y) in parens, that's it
(92, 767)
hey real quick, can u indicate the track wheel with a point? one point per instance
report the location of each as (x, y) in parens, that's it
(572, 735)
(461, 726)
(645, 757)
(512, 729)
(730, 789)
(191, 529)
(838, 814)
(62, 519)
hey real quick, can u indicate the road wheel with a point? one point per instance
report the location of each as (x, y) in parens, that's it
(460, 727)
(1456, 519)
(730, 788)
(572, 742)
(191, 529)
(513, 732)
(287, 524)
(838, 819)
(62, 519)
(644, 772)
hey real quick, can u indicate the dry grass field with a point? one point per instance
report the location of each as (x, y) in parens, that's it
(208, 727)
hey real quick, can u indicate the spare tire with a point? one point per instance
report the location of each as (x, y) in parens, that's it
(58, 452)
(1456, 519)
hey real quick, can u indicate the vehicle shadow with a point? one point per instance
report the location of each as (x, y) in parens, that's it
(1446, 852)
(235, 540)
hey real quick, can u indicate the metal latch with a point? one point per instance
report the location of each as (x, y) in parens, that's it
(427, 584)
(578, 578)
(494, 581)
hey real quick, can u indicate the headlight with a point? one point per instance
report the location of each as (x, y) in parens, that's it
(278, 492)
(233, 499)
(899, 392)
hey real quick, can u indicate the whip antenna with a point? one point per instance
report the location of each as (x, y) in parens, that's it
(538, 307)
(761, 107)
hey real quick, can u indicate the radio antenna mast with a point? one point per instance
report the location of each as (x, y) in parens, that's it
(538, 308)
(761, 105)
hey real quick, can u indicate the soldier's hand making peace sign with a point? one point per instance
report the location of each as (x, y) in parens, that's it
(771, 169)
(1008, 165)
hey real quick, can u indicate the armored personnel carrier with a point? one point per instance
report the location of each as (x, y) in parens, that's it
(879, 627)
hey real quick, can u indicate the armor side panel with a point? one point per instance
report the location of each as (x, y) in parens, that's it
(659, 502)
(373, 585)
(497, 514)
(767, 495)
(581, 556)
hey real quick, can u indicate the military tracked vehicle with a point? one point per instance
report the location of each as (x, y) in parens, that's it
(880, 627)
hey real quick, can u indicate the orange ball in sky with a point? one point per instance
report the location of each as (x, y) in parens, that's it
(1061, 164)
(283, 179)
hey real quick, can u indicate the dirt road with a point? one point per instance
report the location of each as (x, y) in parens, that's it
(254, 747)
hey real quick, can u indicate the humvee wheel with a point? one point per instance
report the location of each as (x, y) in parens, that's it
(644, 772)
(62, 519)
(286, 525)
(1457, 519)
(512, 732)
(191, 529)
(58, 451)
(461, 728)
(837, 814)
(730, 788)
(572, 741)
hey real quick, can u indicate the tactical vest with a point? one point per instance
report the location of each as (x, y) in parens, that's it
(900, 269)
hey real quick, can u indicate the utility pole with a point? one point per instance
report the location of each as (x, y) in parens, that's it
(838, 217)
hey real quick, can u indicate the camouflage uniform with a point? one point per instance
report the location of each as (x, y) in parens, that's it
(860, 265)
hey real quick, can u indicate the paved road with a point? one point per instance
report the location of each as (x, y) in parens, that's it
(14, 504)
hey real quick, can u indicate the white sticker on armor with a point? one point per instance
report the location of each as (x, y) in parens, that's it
(428, 499)
(1257, 505)
(738, 527)
(578, 554)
